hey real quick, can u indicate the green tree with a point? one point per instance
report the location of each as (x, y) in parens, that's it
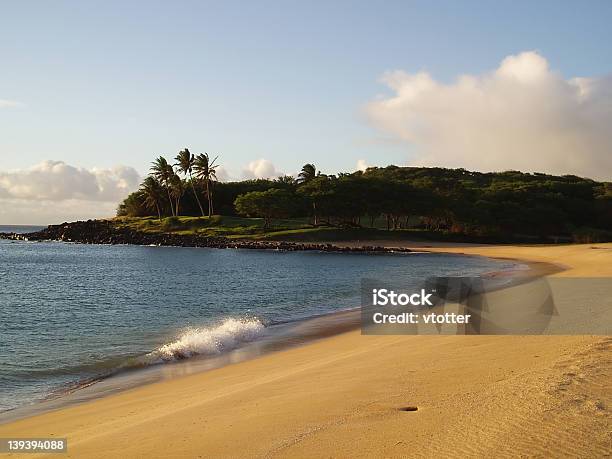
(163, 172)
(184, 162)
(132, 206)
(205, 170)
(152, 191)
(509, 206)
(288, 180)
(316, 189)
(308, 172)
(273, 203)
(177, 190)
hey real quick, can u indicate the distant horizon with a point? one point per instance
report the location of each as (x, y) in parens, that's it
(23, 226)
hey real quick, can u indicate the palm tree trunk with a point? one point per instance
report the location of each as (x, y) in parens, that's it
(158, 211)
(196, 194)
(170, 200)
(212, 204)
(209, 198)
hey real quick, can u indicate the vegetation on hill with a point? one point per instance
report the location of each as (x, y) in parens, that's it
(498, 206)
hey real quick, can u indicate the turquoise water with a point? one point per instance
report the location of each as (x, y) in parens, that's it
(72, 313)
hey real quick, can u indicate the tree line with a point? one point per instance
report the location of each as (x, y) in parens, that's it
(393, 198)
(163, 189)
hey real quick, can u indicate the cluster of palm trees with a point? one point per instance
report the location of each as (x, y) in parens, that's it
(164, 182)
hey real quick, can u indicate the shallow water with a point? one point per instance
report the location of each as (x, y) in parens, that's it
(72, 313)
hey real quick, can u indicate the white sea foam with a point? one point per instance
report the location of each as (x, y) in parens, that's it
(209, 340)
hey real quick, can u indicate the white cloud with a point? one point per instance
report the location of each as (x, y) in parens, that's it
(362, 165)
(4, 103)
(521, 116)
(54, 190)
(261, 168)
(222, 174)
(58, 181)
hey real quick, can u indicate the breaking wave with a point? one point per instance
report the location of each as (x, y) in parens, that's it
(230, 334)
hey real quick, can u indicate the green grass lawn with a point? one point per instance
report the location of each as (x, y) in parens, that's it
(217, 225)
(298, 229)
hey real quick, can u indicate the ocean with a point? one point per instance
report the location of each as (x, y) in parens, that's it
(73, 315)
(20, 228)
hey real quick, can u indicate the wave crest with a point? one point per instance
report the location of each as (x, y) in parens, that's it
(209, 340)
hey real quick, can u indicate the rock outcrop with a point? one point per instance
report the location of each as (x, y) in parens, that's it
(106, 232)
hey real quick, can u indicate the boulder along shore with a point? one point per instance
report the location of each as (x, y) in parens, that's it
(105, 232)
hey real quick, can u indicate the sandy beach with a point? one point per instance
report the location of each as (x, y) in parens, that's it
(354, 396)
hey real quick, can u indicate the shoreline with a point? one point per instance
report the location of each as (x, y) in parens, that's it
(346, 347)
(278, 337)
(104, 232)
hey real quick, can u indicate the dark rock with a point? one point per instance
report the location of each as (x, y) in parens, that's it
(105, 232)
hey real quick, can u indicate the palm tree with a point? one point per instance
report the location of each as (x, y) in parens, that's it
(308, 172)
(204, 169)
(184, 164)
(152, 191)
(163, 172)
(177, 190)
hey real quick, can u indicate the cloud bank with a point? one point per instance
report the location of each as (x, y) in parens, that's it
(54, 191)
(58, 181)
(521, 116)
(261, 169)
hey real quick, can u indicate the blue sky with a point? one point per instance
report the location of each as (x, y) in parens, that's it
(107, 84)
(122, 81)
